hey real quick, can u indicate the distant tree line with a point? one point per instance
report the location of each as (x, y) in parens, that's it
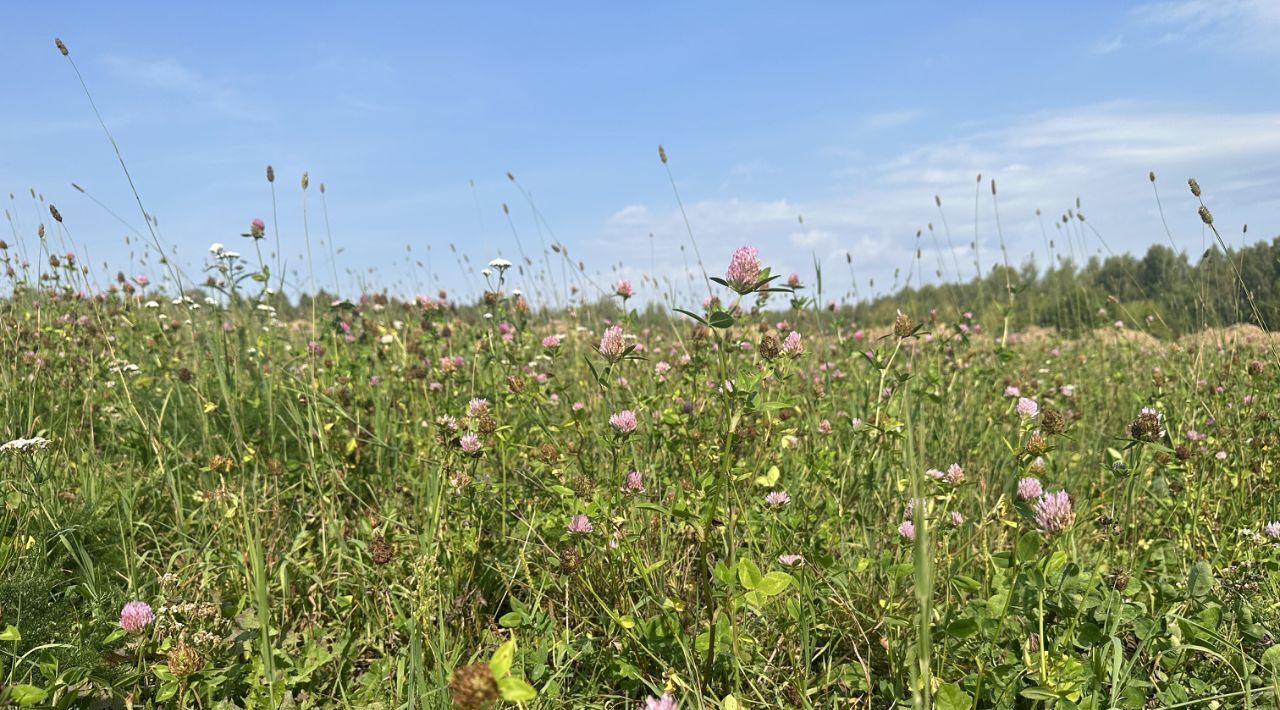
(1162, 292)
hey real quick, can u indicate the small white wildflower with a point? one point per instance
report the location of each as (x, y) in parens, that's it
(500, 263)
(25, 446)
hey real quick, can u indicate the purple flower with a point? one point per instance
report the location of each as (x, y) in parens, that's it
(777, 498)
(666, 702)
(613, 344)
(470, 443)
(1054, 513)
(1027, 407)
(1272, 530)
(1029, 488)
(580, 525)
(955, 474)
(624, 421)
(907, 530)
(1012, 391)
(136, 615)
(957, 518)
(744, 270)
(257, 228)
(634, 483)
(478, 406)
(792, 346)
(551, 341)
(623, 288)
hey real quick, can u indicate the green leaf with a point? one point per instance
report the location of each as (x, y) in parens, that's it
(511, 619)
(748, 573)
(773, 583)
(1028, 547)
(962, 628)
(692, 315)
(721, 320)
(950, 697)
(168, 690)
(516, 689)
(10, 633)
(500, 664)
(27, 695)
(770, 478)
(1200, 580)
(1271, 658)
(730, 703)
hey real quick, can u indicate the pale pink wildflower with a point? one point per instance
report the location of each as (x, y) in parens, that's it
(1054, 513)
(470, 443)
(1029, 488)
(613, 344)
(136, 615)
(744, 270)
(1027, 407)
(624, 421)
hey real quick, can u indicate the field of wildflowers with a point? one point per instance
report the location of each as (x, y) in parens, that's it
(213, 497)
(423, 503)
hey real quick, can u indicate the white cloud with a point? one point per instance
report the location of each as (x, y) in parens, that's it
(171, 76)
(1252, 25)
(1108, 45)
(1101, 154)
(892, 119)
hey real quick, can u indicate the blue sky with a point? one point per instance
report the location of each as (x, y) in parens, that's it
(852, 115)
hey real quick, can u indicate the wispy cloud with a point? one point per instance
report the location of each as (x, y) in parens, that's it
(1108, 45)
(1252, 25)
(170, 76)
(1101, 154)
(892, 119)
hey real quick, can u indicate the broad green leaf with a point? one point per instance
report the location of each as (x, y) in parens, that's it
(516, 689)
(1028, 547)
(10, 633)
(168, 690)
(770, 478)
(1200, 580)
(721, 320)
(962, 628)
(27, 695)
(500, 664)
(773, 583)
(748, 573)
(951, 697)
(730, 703)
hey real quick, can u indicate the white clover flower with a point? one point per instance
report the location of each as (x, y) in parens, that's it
(25, 446)
(151, 304)
(216, 248)
(387, 339)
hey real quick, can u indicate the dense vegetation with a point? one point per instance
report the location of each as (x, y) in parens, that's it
(421, 504)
